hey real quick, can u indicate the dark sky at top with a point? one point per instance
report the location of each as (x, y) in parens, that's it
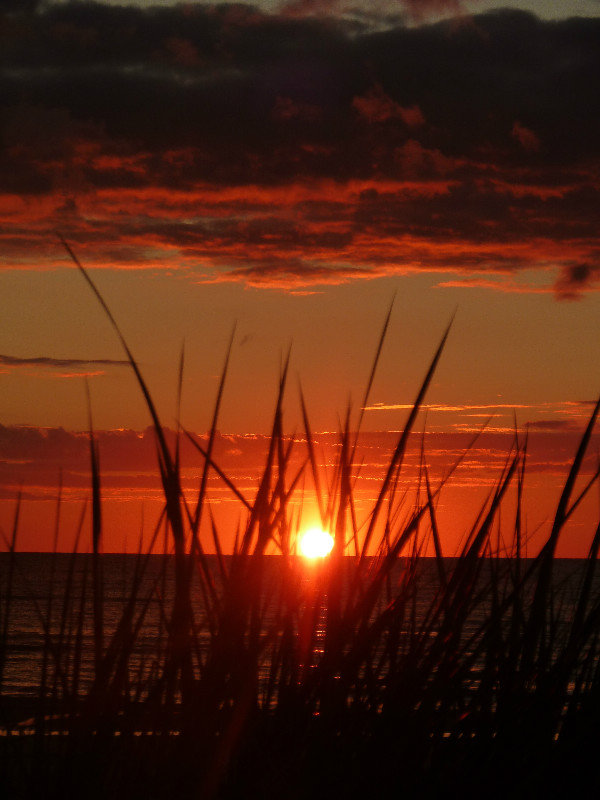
(470, 143)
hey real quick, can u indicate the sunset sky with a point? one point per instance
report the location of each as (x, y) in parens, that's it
(290, 167)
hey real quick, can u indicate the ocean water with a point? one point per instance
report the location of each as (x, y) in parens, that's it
(50, 603)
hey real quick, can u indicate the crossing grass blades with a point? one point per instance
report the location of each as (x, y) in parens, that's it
(357, 686)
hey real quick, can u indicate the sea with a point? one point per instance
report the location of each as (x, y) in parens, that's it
(46, 608)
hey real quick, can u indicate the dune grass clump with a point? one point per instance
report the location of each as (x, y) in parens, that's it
(387, 673)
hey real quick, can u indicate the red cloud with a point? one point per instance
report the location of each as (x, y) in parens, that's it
(418, 10)
(421, 9)
(301, 8)
(30, 460)
(575, 279)
(183, 51)
(316, 152)
(288, 109)
(526, 137)
(311, 233)
(50, 367)
(376, 106)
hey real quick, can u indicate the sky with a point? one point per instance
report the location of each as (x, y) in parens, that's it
(289, 168)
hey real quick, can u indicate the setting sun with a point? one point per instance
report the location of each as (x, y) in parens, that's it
(316, 543)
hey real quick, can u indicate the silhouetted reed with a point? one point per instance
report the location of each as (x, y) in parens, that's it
(387, 673)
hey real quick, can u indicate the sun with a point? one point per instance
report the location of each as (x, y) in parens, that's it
(316, 543)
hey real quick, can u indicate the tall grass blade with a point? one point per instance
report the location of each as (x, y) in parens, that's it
(398, 455)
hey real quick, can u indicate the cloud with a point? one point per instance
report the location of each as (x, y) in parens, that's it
(291, 151)
(509, 286)
(568, 414)
(422, 9)
(526, 137)
(47, 361)
(62, 367)
(301, 8)
(290, 274)
(376, 106)
(417, 10)
(454, 408)
(32, 458)
(553, 425)
(575, 279)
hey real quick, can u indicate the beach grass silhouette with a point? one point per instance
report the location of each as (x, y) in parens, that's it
(376, 670)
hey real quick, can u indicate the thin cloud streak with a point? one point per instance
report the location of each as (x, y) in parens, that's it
(48, 361)
(47, 367)
(32, 456)
(563, 407)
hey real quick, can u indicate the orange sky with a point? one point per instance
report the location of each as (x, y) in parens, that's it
(32, 460)
(290, 167)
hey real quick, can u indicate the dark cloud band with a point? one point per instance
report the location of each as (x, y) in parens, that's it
(62, 363)
(286, 151)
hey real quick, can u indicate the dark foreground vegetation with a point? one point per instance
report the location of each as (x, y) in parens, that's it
(363, 682)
